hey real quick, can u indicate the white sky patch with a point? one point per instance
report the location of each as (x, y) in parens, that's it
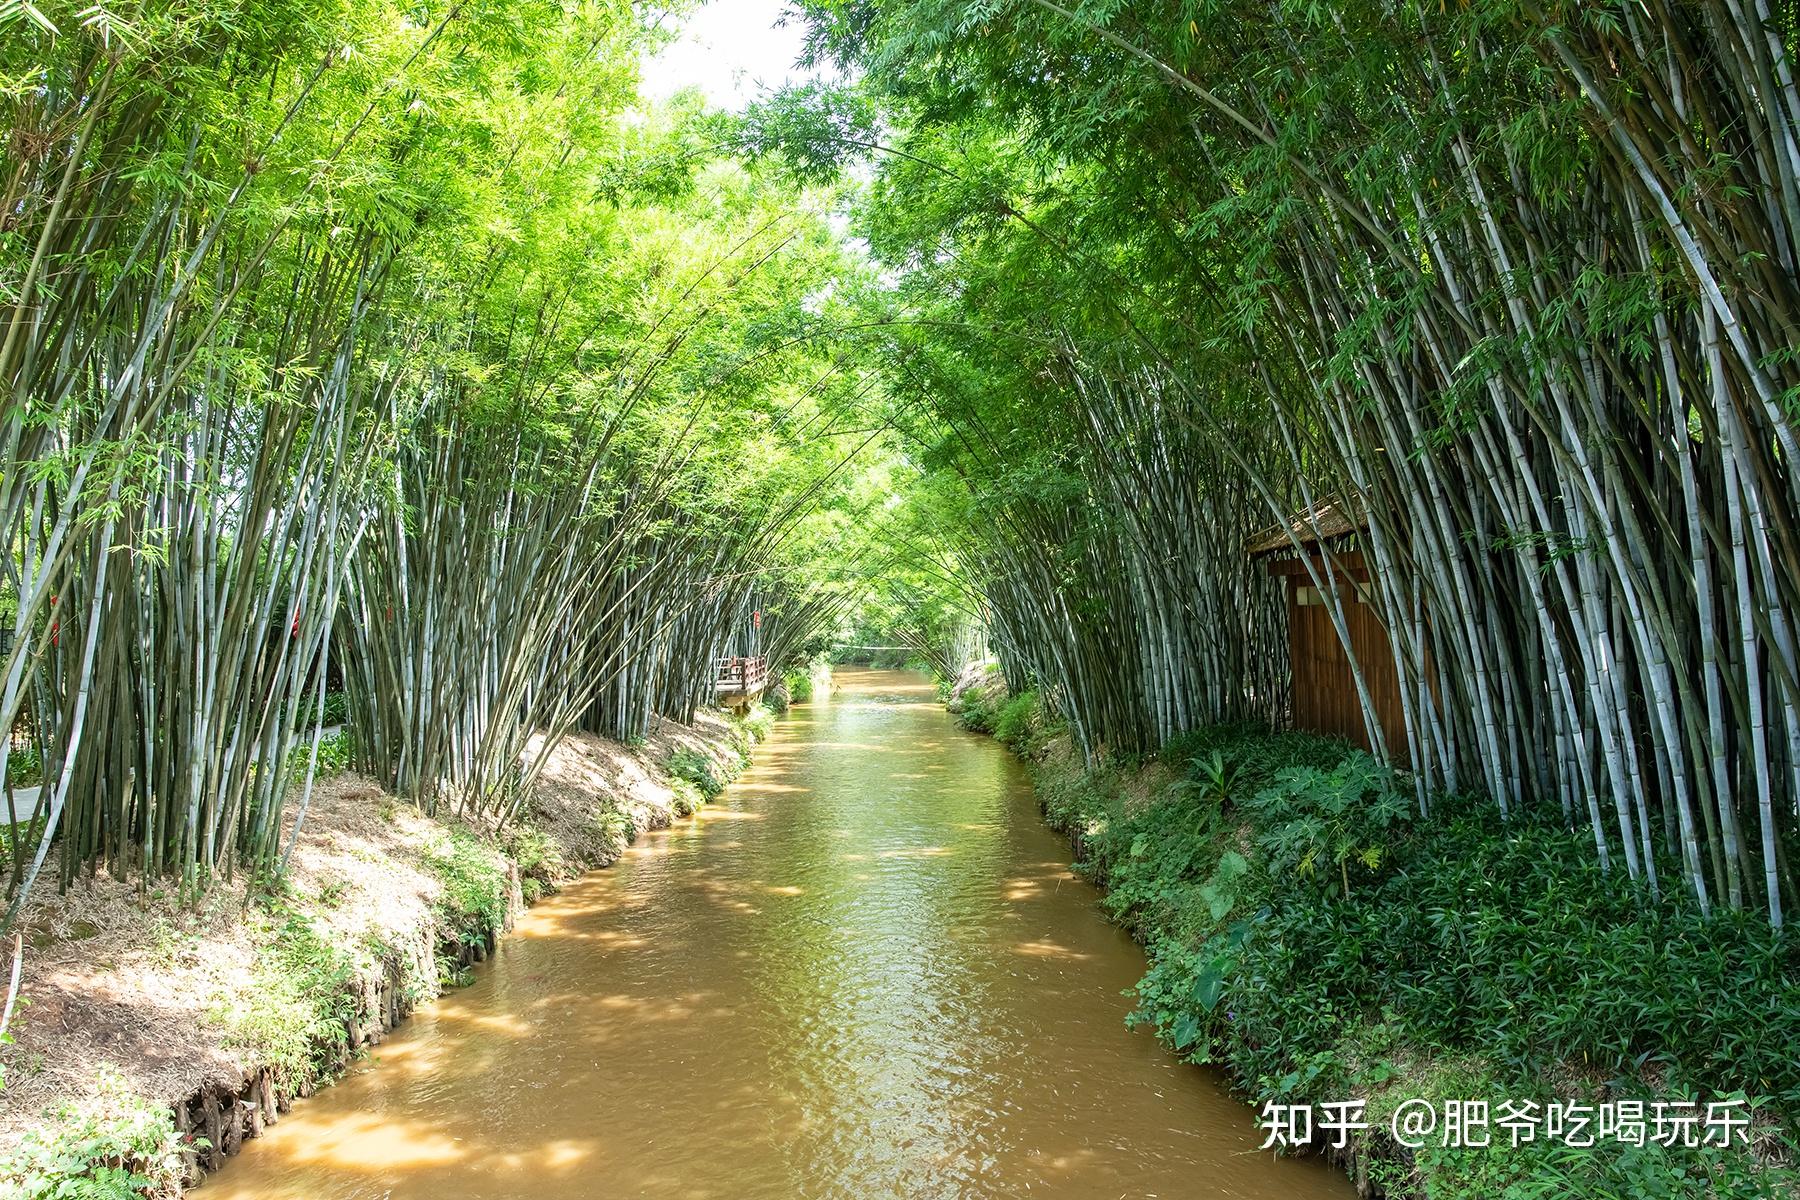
(733, 51)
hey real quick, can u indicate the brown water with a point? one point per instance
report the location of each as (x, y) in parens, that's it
(867, 974)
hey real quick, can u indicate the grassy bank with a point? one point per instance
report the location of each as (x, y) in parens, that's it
(1313, 937)
(798, 685)
(155, 1037)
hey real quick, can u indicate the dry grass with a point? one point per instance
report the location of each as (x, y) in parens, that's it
(590, 778)
(123, 980)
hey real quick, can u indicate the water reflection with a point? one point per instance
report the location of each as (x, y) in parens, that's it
(867, 974)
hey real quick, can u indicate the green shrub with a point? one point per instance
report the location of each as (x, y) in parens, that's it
(758, 723)
(687, 797)
(1310, 820)
(336, 754)
(1309, 932)
(1549, 1171)
(699, 770)
(892, 659)
(24, 766)
(1013, 718)
(978, 710)
(616, 830)
(475, 897)
(1021, 725)
(799, 684)
(126, 1150)
(539, 862)
(1255, 752)
(337, 708)
(294, 1015)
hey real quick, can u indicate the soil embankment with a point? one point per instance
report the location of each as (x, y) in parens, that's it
(157, 1036)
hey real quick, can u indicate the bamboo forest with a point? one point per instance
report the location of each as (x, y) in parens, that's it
(900, 599)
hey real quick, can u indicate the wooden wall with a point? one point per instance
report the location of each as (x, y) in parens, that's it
(1325, 699)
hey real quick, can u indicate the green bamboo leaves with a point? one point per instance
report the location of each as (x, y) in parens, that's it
(354, 344)
(1514, 285)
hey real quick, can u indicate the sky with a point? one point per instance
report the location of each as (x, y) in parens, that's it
(730, 50)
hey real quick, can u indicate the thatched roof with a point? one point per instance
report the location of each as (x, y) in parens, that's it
(1324, 521)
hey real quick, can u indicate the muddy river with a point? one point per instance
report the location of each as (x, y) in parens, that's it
(867, 973)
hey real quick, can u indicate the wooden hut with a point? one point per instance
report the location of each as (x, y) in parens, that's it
(1324, 691)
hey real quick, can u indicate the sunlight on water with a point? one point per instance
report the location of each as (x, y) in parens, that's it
(867, 974)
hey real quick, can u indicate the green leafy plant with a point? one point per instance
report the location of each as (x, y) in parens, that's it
(1497, 945)
(699, 770)
(758, 723)
(616, 830)
(336, 755)
(25, 766)
(1311, 817)
(1218, 780)
(538, 860)
(799, 684)
(475, 901)
(979, 708)
(688, 797)
(125, 1148)
(1021, 725)
(294, 1017)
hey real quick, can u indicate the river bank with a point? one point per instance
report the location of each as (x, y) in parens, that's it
(154, 1038)
(1310, 938)
(865, 973)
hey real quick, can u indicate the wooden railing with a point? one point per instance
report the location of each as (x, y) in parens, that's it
(745, 675)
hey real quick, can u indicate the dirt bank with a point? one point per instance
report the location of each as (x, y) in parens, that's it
(156, 1037)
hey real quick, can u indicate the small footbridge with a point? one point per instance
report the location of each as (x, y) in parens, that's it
(739, 682)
